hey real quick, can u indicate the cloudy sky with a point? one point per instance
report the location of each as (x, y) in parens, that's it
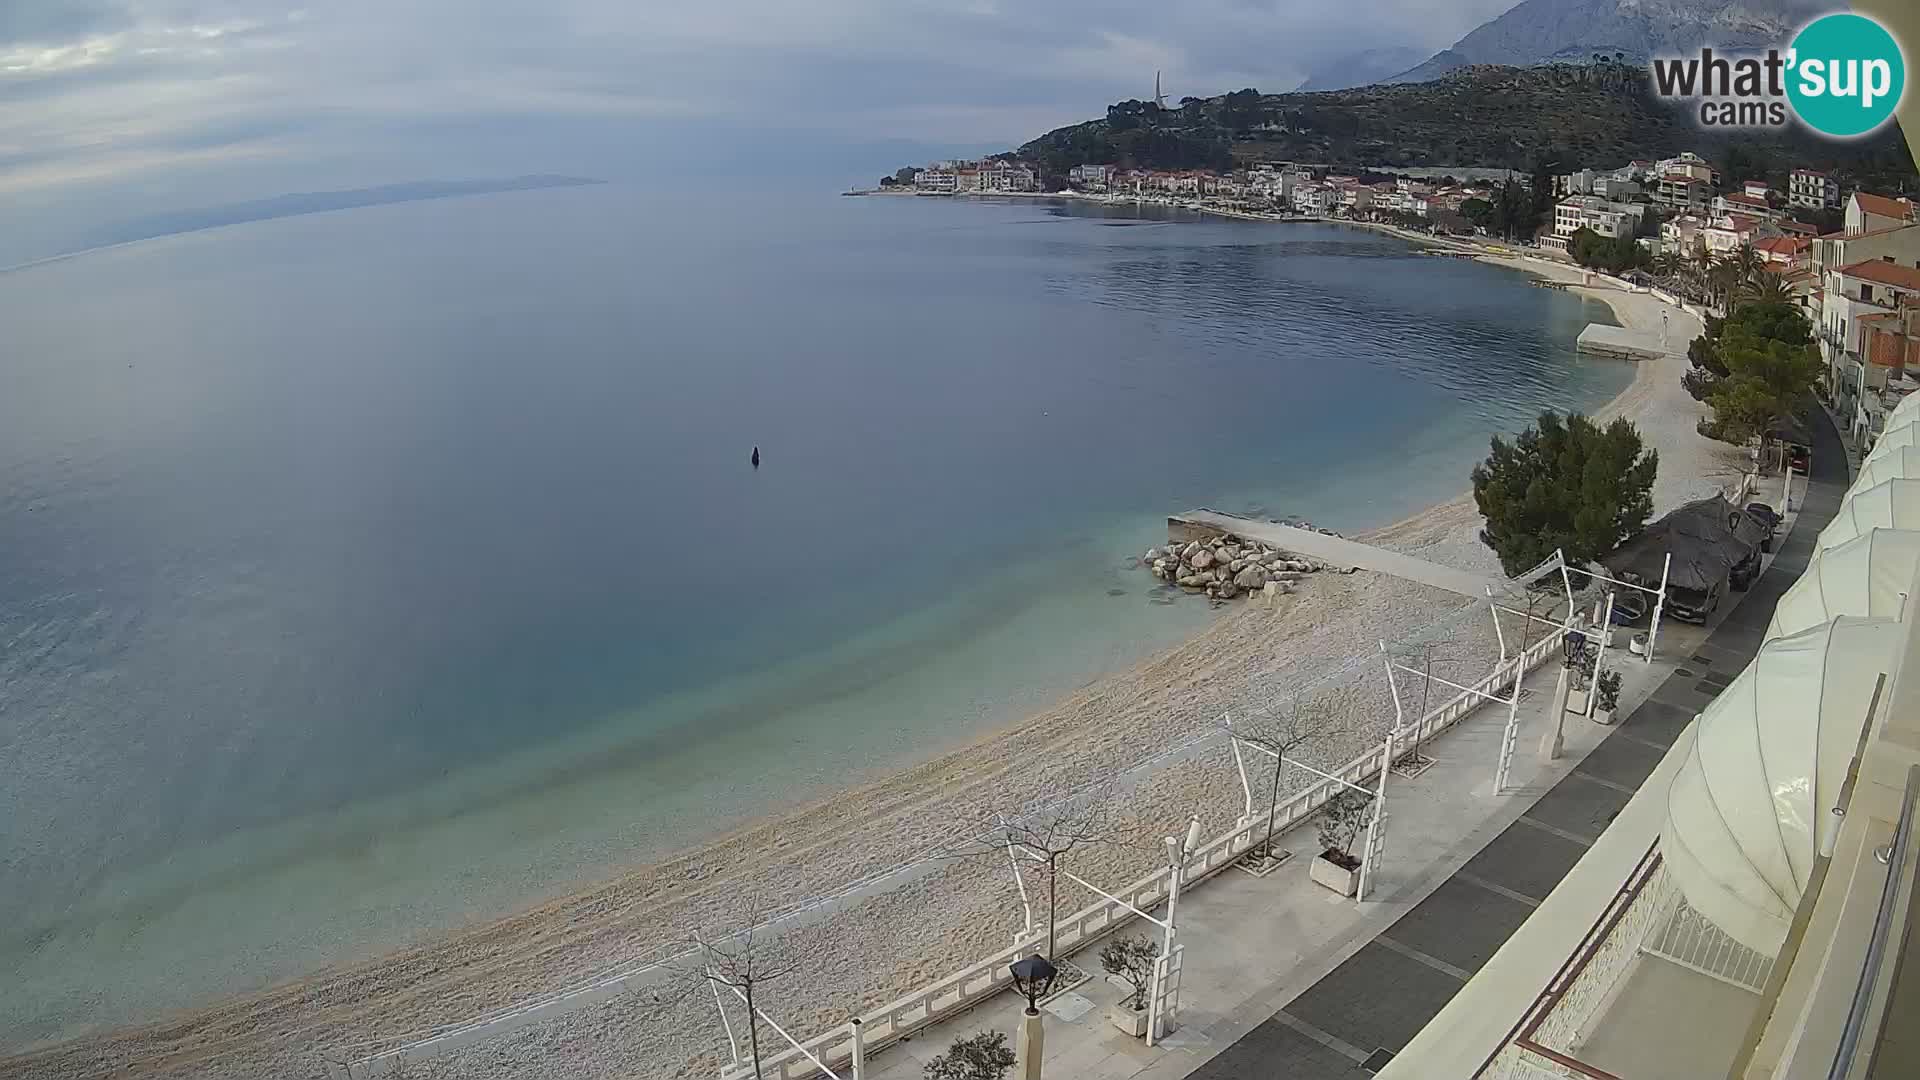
(137, 105)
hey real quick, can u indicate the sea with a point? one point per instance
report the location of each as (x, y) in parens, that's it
(367, 574)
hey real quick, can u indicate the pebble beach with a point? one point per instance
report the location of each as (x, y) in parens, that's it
(868, 949)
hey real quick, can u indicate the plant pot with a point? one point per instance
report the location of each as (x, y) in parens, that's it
(1577, 701)
(1334, 876)
(1130, 1020)
(1603, 716)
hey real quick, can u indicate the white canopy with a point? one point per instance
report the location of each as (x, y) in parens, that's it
(1748, 808)
(1897, 438)
(1909, 407)
(1891, 505)
(1868, 575)
(1897, 464)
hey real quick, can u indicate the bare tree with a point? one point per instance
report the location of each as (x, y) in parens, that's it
(1307, 722)
(743, 962)
(1046, 829)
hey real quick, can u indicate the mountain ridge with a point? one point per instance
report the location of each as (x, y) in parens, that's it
(1545, 31)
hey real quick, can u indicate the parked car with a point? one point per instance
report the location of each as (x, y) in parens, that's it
(1693, 605)
(1797, 459)
(1630, 606)
(1742, 574)
(1769, 518)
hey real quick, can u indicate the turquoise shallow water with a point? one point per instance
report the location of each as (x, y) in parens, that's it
(373, 572)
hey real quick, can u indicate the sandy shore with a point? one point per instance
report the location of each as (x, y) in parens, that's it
(870, 950)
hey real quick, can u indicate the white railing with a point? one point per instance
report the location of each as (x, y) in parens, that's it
(1683, 936)
(987, 976)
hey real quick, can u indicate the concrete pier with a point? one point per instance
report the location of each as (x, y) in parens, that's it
(1206, 524)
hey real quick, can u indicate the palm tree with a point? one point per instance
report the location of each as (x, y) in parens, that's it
(1771, 289)
(1745, 261)
(1668, 264)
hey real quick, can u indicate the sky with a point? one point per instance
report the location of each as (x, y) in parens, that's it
(123, 107)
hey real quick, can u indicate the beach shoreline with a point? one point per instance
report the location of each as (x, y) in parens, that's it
(817, 846)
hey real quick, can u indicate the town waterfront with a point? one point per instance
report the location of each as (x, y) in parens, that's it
(375, 573)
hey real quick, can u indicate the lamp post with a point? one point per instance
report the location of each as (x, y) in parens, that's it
(1032, 976)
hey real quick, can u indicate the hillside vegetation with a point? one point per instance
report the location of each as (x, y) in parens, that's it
(1597, 114)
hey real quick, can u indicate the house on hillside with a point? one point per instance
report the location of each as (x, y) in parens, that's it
(1813, 189)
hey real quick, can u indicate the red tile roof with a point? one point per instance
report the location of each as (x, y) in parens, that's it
(1754, 201)
(1781, 245)
(1881, 206)
(1885, 273)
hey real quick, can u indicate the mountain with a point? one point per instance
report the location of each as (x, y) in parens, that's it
(1361, 68)
(1545, 31)
(1599, 115)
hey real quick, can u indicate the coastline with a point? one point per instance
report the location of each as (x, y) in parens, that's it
(954, 911)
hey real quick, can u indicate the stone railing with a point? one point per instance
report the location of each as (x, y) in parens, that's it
(989, 975)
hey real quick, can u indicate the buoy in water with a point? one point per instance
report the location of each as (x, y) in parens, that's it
(756, 457)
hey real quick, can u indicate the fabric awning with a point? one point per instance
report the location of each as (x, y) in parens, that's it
(1900, 464)
(1868, 575)
(1896, 438)
(1748, 809)
(1894, 504)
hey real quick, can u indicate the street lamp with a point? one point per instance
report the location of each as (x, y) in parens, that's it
(1033, 976)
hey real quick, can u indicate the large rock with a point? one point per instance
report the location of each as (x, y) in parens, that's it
(1226, 590)
(1153, 554)
(1192, 549)
(1237, 565)
(1201, 559)
(1220, 574)
(1250, 578)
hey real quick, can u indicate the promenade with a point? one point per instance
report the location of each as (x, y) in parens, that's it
(1284, 978)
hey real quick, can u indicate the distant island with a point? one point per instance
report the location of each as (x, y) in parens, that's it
(319, 202)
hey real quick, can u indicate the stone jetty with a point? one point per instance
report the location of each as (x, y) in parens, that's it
(1228, 566)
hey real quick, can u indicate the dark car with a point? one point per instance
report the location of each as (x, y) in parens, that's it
(1693, 605)
(1742, 573)
(1769, 518)
(1630, 606)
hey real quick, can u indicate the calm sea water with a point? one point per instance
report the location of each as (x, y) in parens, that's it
(368, 573)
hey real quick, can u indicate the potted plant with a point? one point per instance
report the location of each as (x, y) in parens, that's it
(1131, 959)
(1607, 687)
(1341, 819)
(981, 1056)
(1580, 671)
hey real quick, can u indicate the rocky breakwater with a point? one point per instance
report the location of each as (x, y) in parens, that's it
(1227, 566)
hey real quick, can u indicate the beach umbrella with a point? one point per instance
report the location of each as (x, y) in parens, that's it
(1894, 504)
(1868, 575)
(1900, 464)
(1752, 805)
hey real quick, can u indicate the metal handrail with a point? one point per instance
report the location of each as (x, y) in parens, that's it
(1897, 853)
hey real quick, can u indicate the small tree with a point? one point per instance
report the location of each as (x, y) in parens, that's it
(1045, 830)
(744, 962)
(1341, 819)
(1131, 959)
(983, 1055)
(1565, 484)
(1310, 721)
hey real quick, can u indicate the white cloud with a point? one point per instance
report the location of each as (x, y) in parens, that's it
(104, 88)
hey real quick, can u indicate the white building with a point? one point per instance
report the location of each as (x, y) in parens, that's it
(1876, 213)
(1609, 219)
(1092, 177)
(937, 178)
(1813, 189)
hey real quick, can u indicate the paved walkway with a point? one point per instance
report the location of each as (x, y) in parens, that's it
(1285, 979)
(1350, 1023)
(1343, 552)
